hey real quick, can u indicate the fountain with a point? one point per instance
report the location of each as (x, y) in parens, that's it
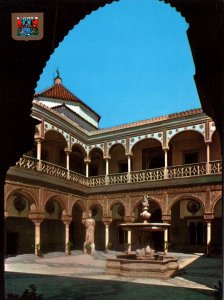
(145, 262)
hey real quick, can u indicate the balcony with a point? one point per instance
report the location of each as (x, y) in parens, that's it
(173, 172)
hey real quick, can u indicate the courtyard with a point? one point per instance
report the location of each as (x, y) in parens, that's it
(81, 276)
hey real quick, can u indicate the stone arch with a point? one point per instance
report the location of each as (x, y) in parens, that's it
(53, 146)
(110, 147)
(182, 130)
(186, 197)
(97, 163)
(118, 162)
(99, 231)
(188, 227)
(77, 228)
(82, 205)
(147, 154)
(77, 157)
(58, 199)
(215, 147)
(137, 141)
(219, 198)
(114, 202)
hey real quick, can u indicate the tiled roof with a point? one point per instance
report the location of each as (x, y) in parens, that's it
(58, 91)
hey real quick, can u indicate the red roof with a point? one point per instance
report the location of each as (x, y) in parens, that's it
(58, 91)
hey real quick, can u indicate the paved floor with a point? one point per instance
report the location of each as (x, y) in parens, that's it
(81, 276)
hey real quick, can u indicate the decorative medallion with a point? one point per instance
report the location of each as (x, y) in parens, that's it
(19, 204)
(193, 206)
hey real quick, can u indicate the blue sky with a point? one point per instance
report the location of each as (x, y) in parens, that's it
(128, 61)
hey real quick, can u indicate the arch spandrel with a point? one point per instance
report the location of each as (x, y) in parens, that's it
(23, 193)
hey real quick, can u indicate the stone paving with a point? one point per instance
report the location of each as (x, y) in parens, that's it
(81, 276)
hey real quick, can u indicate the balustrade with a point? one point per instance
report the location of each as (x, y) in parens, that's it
(216, 167)
(187, 170)
(54, 170)
(180, 171)
(27, 162)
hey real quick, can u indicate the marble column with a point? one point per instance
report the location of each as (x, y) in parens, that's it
(208, 158)
(129, 168)
(67, 151)
(39, 141)
(129, 241)
(209, 235)
(165, 163)
(166, 241)
(67, 220)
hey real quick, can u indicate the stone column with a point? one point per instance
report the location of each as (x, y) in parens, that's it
(165, 241)
(166, 219)
(106, 221)
(39, 141)
(129, 219)
(67, 151)
(87, 169)
(165, 163)
(37, 218)
(208, 158)
(67, 220)
(107, 170)
(209, 235)
(129, 241)
(129, 168)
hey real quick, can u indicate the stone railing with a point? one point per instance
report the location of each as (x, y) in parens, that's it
(187, 170)
(28, 163)
(216, 167)
(147, 175)
(54, 170)
(181, 171)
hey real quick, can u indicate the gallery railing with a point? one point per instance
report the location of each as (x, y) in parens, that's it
(181, 171)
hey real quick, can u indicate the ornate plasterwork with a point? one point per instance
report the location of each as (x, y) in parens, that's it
(110, 144)
(154, 135)
(74, 141)
(95, 146)
(197, 127)
(212, 128)
(48, 126)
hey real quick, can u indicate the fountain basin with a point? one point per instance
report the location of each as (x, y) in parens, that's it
(128, 265)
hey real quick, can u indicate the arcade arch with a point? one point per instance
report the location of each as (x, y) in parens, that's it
(20, 230)
(119, 161)
(52, 227)
(76, 227)
(147, 154)
(97, 164)
(99, 235)
(186, 147)
(52, 148)
(77, 157)
(118, 237)
(188, 228)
